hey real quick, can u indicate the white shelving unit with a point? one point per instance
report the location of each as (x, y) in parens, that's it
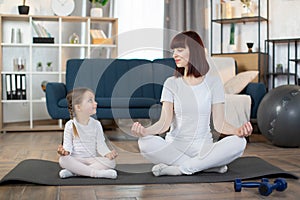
(31, 114)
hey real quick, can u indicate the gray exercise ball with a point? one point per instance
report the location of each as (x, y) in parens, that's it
(278, 116)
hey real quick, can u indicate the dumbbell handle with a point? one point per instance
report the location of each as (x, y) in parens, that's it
(251, 184)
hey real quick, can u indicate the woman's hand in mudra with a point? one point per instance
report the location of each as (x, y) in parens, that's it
(138, 129)
(245, 130)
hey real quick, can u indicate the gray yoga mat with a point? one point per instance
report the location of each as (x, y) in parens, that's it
(45, 172)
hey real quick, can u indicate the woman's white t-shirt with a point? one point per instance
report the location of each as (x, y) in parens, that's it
(192, 107)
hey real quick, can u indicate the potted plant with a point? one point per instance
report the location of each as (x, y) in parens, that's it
(39, 67)
(23, 9)
(96, 10)
(49, 67)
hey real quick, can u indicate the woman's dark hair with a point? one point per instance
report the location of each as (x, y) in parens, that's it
(197, 63)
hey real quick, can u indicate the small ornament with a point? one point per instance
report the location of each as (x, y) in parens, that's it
(74, 39)
(39, 67)
(250, 46)
(49, 67)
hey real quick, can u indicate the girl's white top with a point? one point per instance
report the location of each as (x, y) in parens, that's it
(91, 141)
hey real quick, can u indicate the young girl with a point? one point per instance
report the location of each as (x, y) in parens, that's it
(84, 151)
(188, 100)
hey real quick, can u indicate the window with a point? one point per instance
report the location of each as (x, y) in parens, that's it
(140, 28)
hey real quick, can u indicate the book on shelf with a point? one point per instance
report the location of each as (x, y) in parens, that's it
(99, 37)
(23, 86)
(43, 35)
(15, 86)
(8, 87)
(40, 30)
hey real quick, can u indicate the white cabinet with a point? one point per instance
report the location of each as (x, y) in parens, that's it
(19, 114)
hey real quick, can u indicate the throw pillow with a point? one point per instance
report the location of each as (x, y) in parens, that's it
(236, 84)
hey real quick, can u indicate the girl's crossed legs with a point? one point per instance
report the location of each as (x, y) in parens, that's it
(98, 167)
(172, 160)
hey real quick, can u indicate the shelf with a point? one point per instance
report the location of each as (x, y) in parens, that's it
(234, 53)
(240, 20)
(38, 125)
(39, 100)
(295, 60)
(60, 27)
(45, 45)
(222, 31)
(103, 45)
(74, 45)
(45, 73)
(13, 72)
(291, 45)
(15, 44)
(15, 101)
(283, 40)
(11, 17)
(282, 74)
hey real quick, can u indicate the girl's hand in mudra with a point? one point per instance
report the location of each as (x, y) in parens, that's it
(245, 130)
(61, 151)
(138, 130)
(111, 155)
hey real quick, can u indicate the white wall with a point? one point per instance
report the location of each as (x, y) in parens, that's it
(284, 23)
(36, 7)
(284, 19)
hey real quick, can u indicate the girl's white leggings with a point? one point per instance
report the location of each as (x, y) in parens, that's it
(193, 156)
(86, 166)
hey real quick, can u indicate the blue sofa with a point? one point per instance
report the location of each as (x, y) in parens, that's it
(124, 88)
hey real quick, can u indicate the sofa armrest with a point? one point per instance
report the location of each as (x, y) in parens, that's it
(54, 93)
(256, 91)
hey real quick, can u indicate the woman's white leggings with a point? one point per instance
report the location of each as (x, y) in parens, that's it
(192, 157)
(86, 166)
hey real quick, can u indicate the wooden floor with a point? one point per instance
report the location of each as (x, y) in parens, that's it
(16, 147)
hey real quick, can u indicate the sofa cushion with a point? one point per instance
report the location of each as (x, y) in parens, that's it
(237, 109)
(62, 103)
(125, 78)
(85, 72)
(237, 83)
(118, 102)
(162, 69)
(111, 77)
(225, 66)
(125, 102)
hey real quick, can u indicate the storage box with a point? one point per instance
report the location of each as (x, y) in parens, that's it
(43, 40)
(102, 41)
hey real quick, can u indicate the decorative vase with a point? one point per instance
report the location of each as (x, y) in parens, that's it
(23, 10)
(74, 39)
(39, 67)
(250, 46)
(96, 12)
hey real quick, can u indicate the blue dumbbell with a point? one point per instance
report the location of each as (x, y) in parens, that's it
(238, 184)
(266, 188)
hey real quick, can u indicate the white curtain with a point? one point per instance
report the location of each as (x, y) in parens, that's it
(183, 15)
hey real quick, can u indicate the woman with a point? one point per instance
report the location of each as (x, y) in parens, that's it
(189, 98)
